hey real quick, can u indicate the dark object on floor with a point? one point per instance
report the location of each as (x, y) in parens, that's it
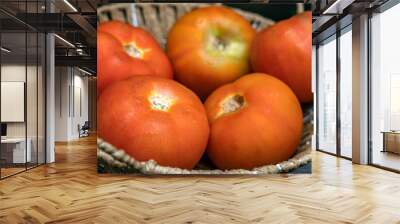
(84, 130)
(304, 169)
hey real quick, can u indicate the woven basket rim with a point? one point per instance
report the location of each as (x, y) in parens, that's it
(115, 6)
(118, 158)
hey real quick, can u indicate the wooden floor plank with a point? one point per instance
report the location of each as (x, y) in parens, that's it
(70, 191)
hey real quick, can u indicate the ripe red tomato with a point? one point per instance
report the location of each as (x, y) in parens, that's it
(154, 118)
(114, 64)
(284, 51)
(256, 120)
(124, 51)
(209, 47)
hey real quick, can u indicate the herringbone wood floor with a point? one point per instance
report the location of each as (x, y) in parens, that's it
(70, 191)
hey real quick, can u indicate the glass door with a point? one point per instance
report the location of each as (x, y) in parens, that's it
(22, 77)
(14, 153)
(35, 89)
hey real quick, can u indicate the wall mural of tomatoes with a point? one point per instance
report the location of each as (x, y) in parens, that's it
(209, 89)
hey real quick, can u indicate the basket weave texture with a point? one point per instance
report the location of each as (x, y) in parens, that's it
(158, 18)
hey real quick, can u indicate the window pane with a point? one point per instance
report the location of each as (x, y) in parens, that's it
(41, 98)
(327, 96)
(346, 94)
(15, 150)
(386, 89)
(31, 100)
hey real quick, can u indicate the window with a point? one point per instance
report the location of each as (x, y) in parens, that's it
(346, 93)
(385, 89)
(327, 96)
(329, 113)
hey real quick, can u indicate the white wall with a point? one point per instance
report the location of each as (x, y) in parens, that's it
(33, 127)
(80, 89)
(71, 94)
(16, 73)
(61, 103)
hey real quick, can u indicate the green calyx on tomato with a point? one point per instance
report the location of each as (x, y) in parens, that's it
(221, 42)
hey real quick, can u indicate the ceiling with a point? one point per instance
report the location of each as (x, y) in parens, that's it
(329, 16)
(16, 42)
(73, 20)
(76, 21)
(59, 5)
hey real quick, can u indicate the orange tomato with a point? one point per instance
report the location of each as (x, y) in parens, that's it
(154, 118)
(125, 51)
(209, 47)
(256, 120)
(284, 51)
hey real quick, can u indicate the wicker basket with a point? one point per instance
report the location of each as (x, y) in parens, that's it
(158, 18)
